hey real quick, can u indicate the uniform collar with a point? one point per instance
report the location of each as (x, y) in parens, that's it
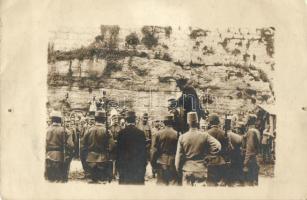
(193, 129)
(56, 124)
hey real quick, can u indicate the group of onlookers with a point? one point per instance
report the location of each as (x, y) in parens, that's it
(123, 149)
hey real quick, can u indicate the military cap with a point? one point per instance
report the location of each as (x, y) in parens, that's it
(214, 119)
(192, 118)
(67, 120)
(168, 119)
(56, 114)
(130, 117)
(100, 114)
(172, 103)
(251, 120)
(130, 114)
(90, 117)
(145, 116)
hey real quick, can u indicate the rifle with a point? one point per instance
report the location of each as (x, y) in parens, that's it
(227, 127)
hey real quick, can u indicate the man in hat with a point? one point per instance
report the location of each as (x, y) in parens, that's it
(192, 149)
(217, 165)
(115, 127)
(55, 147)
(99, 145)
(251, 147)
(131, 152)
(164, 152)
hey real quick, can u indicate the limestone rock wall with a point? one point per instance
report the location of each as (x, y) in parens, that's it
(234, 66)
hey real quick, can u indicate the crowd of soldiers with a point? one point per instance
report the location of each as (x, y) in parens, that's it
(188, 147)
(214, 155)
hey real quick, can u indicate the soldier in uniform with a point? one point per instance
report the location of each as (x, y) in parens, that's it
(131, 153)
(55, 145)
(69, 146)
(266, 143)
(99, 145)
(83, 152)
(217, 166)
(251, 147)
(114, 130)
(235, 171)
(145, 127)
(115, 127)
(192, 149)
(163, 153)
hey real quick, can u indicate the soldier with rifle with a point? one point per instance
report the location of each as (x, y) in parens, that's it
(70, 141)
(56, 144)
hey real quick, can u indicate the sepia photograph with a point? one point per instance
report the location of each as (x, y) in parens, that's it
(155, 99)
(161, 105)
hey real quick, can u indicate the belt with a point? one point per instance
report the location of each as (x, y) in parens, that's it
(54, 149)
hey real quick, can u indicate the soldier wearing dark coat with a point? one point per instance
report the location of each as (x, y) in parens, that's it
(55, 147)
(251, 147)
(83, 151)
(99, 145)
(164, 152)
(235, 171)
(131, 153)
(192, 149)
(70, 139)
(217, 168)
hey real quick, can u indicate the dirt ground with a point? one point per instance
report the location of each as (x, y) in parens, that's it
(76, 173)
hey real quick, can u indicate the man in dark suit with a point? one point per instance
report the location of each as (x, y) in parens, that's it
(131, 153)
(99, 144)
(192, 149)
(251, 147)
(163, 153)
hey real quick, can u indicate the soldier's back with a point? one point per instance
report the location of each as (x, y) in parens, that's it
(97, 138)
(168, 139)
(55, 136)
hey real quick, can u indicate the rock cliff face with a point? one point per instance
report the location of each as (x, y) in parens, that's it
(234, 66)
